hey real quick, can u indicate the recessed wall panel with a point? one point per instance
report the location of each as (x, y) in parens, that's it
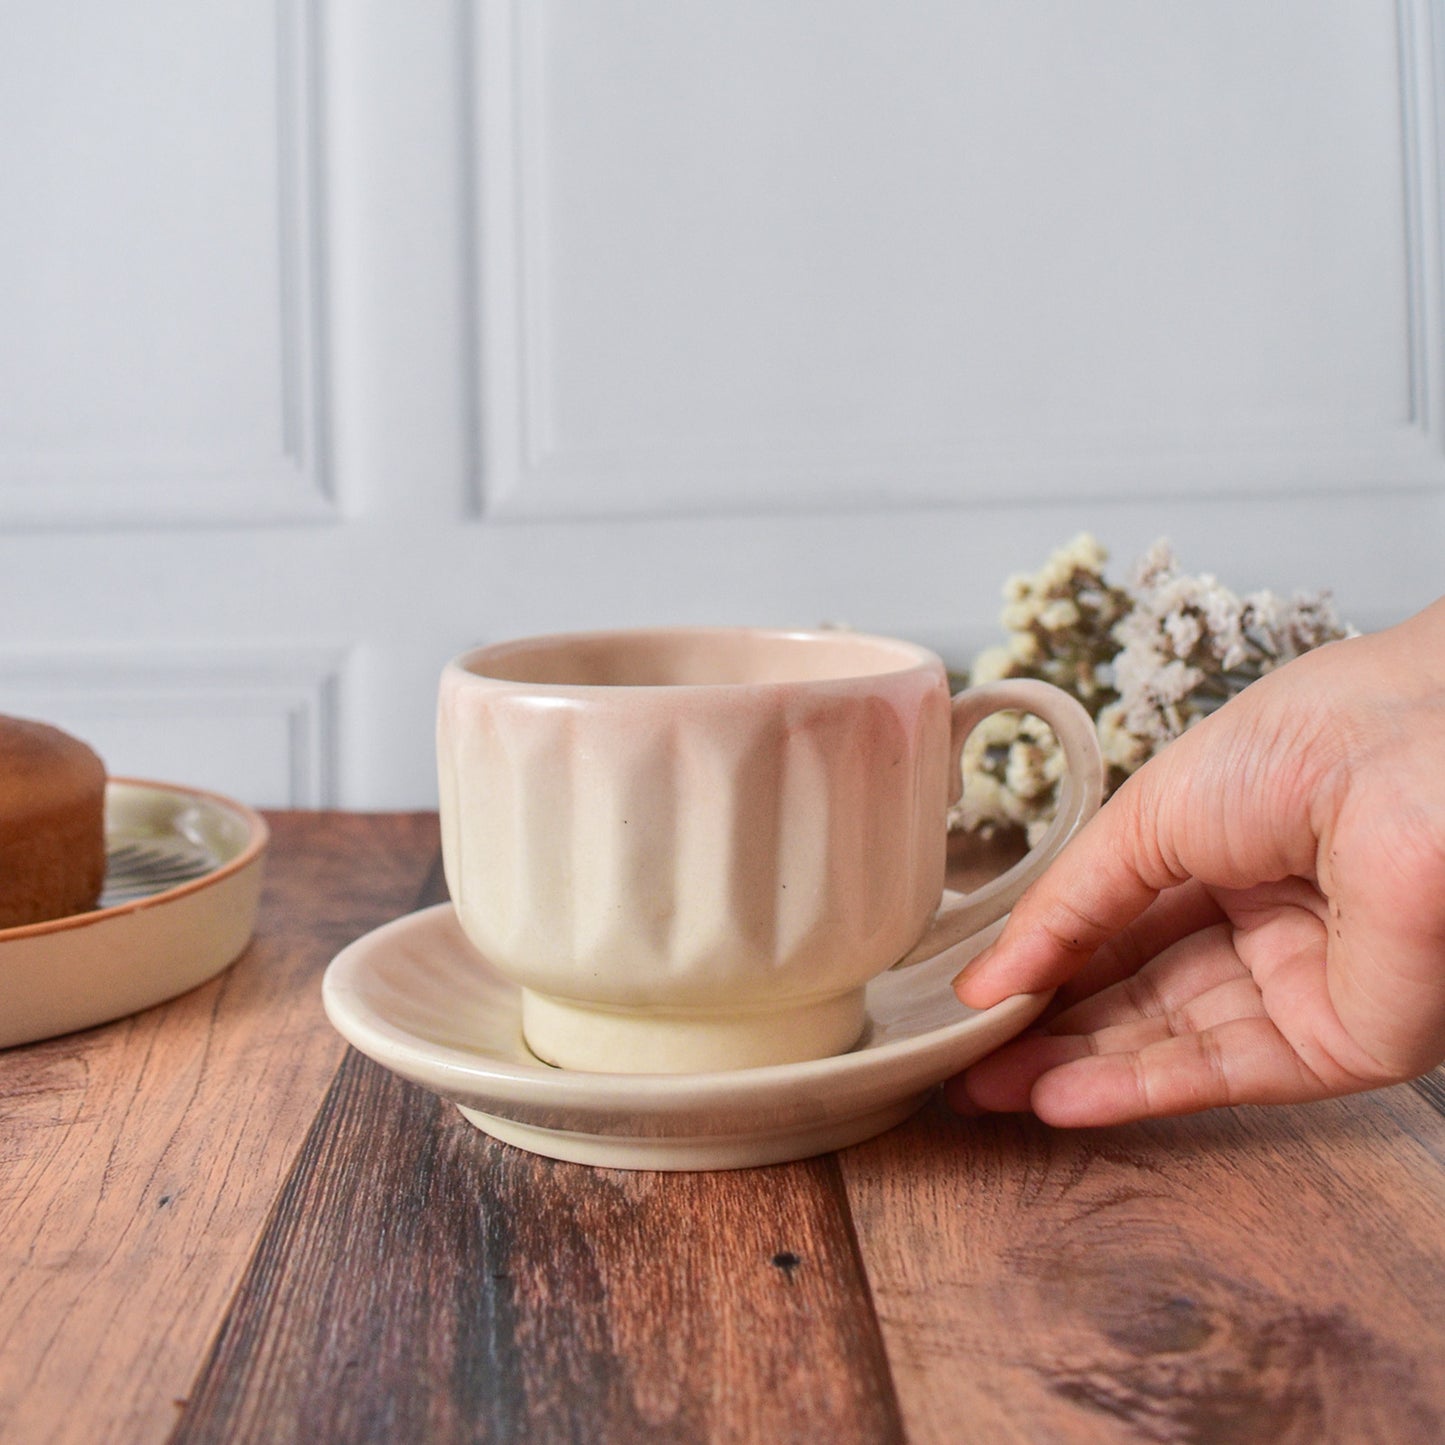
(837, 255)
(159, 353)
(257, 724)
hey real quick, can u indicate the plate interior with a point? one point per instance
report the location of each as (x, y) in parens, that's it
(157, 840)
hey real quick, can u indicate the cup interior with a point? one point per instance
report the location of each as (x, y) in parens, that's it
(693, 657)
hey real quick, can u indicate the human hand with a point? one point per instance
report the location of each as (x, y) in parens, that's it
(1257, 916)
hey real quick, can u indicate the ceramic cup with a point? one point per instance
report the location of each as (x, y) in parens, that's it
(692, 848)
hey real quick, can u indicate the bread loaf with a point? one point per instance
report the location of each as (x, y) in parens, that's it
(52, 823)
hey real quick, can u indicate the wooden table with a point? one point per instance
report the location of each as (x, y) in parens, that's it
(219, 1224)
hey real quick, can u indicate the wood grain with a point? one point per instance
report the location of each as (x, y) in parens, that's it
(138, 1161)
(422, 1282)
(1271, 1275)
(176, 1217)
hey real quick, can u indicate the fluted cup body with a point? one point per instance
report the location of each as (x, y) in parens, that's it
(692, 848)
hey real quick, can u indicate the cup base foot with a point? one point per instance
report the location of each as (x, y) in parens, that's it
(593, 1039)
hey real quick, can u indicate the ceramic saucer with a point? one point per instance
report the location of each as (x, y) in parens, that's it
(417, 997)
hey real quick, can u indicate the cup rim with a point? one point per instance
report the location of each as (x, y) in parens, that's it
(911, 657)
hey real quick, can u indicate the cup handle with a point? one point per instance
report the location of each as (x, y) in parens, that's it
(1079, 799)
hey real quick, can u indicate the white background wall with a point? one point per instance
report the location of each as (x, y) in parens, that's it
(335, 337)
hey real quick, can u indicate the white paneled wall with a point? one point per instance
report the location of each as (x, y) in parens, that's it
(337, 336)
(159, 264)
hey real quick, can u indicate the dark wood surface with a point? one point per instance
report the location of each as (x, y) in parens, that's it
(219, 1224)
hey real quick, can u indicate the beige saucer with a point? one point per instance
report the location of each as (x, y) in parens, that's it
(183, 877)
(417, 997)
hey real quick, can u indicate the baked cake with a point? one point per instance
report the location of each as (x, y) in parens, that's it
(52, 823)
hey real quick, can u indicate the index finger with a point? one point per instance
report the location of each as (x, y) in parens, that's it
(1099, 884)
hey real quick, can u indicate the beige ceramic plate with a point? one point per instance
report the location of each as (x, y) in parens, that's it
(419, 999)
(183, 877)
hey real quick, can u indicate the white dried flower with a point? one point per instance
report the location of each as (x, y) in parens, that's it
(1122, 748)
(1157, 561)
(1136, 664)
(1185, 631)
(1011, 766)
(1173, 683)
(1021, 615)
(1086, 553)
(1059, 616)
(992, 664)
(1147, 663)
(1313, 621)
(1023, 648)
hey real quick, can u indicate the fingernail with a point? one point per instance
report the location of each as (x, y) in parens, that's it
(955, 1095)
(974, 966)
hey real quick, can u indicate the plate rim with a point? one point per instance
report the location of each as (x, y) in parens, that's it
(257, 837)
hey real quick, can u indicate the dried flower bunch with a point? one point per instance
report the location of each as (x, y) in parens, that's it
(1147, 661)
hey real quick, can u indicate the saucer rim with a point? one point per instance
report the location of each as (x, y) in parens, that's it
(456, 1073)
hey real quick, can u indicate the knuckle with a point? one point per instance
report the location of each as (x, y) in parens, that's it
(1220, 1085)
(1142, 1084)
(1072, 928)
(1142, 995)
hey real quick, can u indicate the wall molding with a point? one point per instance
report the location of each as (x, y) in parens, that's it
(186, 694)
(142, 486)
(526, 472)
